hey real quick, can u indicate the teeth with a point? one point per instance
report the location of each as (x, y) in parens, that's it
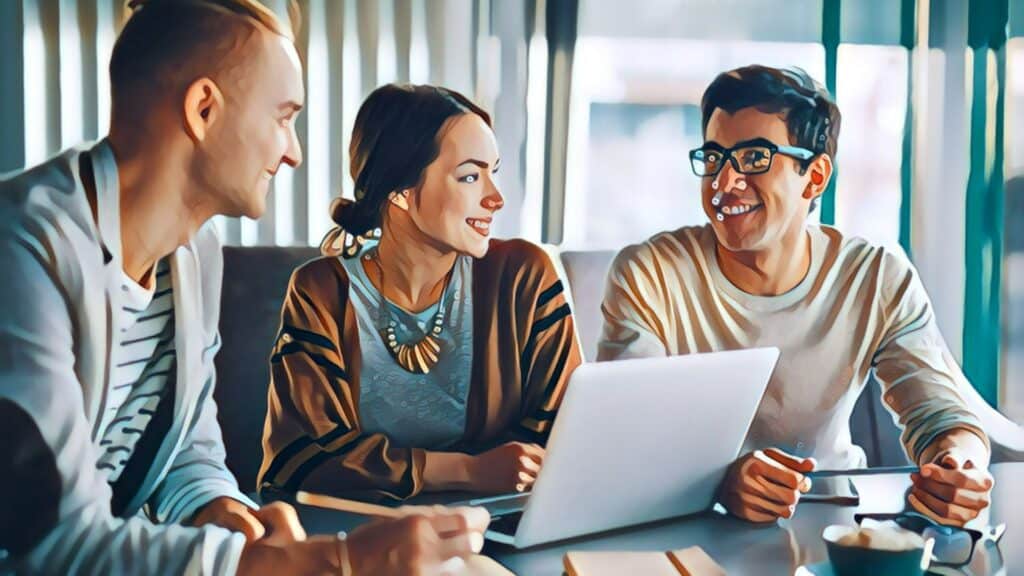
(737, 209)
(267, 175)
(480, 225)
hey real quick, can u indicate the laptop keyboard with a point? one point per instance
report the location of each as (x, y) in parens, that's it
(506, 523)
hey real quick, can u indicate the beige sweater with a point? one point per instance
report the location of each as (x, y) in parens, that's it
(860, 310)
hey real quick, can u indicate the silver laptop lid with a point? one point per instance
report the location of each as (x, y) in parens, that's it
(642, 440)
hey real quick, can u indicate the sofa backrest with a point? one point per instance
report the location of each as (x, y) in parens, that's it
(255, 282)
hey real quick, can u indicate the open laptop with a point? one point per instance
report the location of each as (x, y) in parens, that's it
(636, 441)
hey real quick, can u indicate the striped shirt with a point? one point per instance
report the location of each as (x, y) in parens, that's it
(144, 361)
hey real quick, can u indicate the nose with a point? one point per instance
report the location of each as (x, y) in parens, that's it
(293, 155)
(729, 178)
(494, 201)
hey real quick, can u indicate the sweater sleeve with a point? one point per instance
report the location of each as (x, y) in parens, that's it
(550, 351)
(921, 382)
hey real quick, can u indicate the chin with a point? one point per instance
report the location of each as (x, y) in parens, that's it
(477, 248)
(734, 243)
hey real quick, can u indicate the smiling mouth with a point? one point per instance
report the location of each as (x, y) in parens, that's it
(480, 226)
(735, 210)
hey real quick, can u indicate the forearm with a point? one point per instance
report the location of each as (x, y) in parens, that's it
(966, 441)
(447, 471)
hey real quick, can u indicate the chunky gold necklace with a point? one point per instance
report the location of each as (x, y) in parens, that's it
(421, 356)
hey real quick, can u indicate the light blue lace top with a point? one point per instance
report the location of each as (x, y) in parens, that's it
(413, 410)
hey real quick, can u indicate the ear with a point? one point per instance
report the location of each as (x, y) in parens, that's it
(204, 104)
(400, 199)
(819, 175)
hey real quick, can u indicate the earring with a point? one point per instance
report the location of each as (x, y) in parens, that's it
(714, 185)
(399, 200)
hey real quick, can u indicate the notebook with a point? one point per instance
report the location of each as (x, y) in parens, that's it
(692, 561)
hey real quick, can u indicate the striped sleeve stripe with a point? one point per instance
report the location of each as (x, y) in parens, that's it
(307, 336)
(548, 294)
(319, 359)
(287, 463)
(297, 477)
(549, 320)
(538, 327)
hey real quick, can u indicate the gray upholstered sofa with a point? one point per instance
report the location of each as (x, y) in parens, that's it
(255, 280)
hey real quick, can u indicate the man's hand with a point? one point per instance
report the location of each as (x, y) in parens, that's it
(423, 542)
(426, 540)
(764, 486)
(954, 484)
(277, 521)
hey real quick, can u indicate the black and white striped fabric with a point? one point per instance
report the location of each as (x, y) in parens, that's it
(144, 362)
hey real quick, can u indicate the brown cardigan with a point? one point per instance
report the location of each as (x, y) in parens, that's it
(524, 350)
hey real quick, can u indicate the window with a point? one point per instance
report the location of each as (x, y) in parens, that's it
(1013, 244)
(634, 117)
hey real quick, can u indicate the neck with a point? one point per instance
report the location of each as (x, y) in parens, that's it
(414, 266)
(156, 215)
(769, 272)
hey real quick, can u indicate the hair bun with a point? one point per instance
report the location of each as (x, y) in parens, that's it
(341, 210)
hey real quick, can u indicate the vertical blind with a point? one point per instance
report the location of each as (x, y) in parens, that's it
(481, 48)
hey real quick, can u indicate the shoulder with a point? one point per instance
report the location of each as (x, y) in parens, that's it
(516, 256)
(322, 277)
(675, 249)
(45, 217)
(854, 253)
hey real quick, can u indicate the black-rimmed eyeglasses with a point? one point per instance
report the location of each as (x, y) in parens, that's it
(747, 157)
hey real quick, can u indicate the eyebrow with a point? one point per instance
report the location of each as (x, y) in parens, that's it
(479, 163)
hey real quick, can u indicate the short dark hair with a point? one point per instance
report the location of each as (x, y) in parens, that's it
(396, 135)
(811, 115)
(167, 44)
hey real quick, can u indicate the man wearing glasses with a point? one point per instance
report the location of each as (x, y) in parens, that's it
(838, 308)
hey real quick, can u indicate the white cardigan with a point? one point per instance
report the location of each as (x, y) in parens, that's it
(58, 305)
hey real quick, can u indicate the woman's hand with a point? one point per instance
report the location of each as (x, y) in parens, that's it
(511, 467)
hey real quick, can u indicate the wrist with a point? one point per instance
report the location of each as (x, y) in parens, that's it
(448, 471)
(966, 442)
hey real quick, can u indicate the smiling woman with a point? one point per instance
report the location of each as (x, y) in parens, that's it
(467, 342)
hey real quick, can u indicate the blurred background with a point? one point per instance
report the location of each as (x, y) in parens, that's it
(596, 103)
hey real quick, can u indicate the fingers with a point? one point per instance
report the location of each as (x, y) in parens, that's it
(241, 521)
(461, 545)
(972, 499)
(941, 512)
(976, 479)
(756, 506)
(771, 491)
(449, 522)
(477, 519)
(281, 522)
(529, 465)
(761, 465)
(533, 451)
(789, 461)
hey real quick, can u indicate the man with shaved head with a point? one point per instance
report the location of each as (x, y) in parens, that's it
(112, 459)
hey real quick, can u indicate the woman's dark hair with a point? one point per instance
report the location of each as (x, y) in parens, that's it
(397, 134)
(812, 117)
